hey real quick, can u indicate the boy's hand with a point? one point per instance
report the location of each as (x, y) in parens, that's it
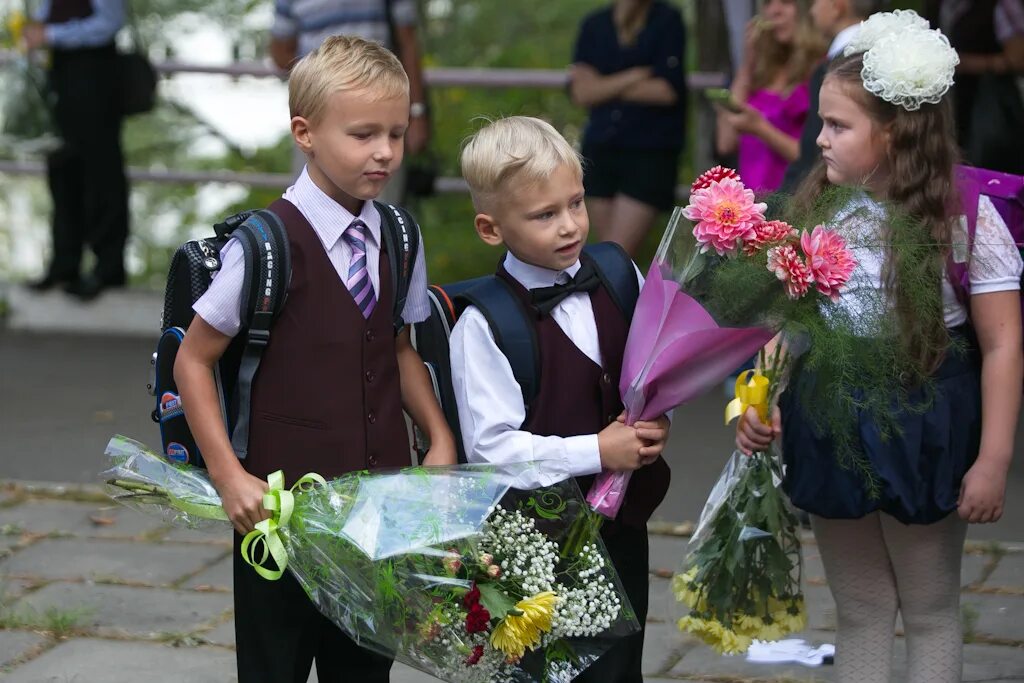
(619, 446)
(653, 435)
(982, 493)
(753, 435)
(439, 455)
(242, 499)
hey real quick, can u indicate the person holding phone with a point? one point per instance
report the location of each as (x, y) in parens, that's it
(628, 72)
(762, 120)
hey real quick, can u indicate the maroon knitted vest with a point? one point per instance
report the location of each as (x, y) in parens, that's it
(327, 397)
(65, 10)
(576, 396)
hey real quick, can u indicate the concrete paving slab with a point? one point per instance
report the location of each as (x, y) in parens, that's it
(972, 569)
(16, 644)
(153, 564)
(118, 611)
(223, 634)
(667, 552)
(41, 516)
(821, 608)
(12, 589)
(1008, 573)
(217, 577)
(216, 534)
(992, 663)
(90, 660)
(997, 616)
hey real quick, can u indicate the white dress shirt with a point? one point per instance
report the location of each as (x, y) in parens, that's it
(221, 305)
(490, 400)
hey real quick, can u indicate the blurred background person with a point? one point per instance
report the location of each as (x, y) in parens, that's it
(770, 93)
(989, 37)
(838, 21)
(301, 25)
(86, 173)
(628, 72)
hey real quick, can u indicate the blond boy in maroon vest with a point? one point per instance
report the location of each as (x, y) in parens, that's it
(527, 187)
(334, 379)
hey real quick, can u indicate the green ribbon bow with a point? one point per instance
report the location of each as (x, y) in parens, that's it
(266, 538)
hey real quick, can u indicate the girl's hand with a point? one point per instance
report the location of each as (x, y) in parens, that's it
(749, 120)
(753, 435)
(982, 493)
(654, 435)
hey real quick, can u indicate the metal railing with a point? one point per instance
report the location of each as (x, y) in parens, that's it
(435, 77)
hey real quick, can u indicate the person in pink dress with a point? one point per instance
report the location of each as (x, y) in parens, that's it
(771, 91)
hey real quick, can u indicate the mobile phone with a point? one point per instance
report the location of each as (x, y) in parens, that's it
(723, 98)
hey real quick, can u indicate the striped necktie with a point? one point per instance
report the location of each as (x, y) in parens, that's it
(358, 280)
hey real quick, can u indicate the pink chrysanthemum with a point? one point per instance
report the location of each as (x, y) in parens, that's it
(725, 215)
(789, 267)
(768, 234)
(714, 175)
(830, 262)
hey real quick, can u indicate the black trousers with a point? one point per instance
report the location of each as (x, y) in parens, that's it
(628, 549)
(86, 174)
(279, 633)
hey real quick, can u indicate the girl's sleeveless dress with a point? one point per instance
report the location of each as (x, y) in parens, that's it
(919, 469)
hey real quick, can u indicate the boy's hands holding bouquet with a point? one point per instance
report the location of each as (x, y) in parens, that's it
(629, 447)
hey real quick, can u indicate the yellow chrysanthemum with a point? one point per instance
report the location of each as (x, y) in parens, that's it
(772, 631)
(790, 621)
(748, 624)
(515, 633)
(686, 591)
(731, 643)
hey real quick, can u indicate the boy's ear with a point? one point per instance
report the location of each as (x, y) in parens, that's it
(301, 134)
(488, 229)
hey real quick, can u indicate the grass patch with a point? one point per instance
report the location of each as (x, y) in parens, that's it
(58, 621)
(969, 620)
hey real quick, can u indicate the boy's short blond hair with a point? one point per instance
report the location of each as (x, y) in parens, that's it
(516, 147)
(343, 63)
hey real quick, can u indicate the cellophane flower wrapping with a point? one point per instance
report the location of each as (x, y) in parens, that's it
(451, 570)
(741, 578)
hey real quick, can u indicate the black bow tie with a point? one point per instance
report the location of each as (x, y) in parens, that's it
(544, 299)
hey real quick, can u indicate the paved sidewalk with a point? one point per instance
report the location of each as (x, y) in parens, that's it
(91, 592)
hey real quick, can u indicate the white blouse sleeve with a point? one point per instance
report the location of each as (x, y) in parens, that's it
(996, 262)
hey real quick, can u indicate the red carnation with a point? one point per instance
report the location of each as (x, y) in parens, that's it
(478, 653)
(472, 597)
(477, 619)
(713, 176)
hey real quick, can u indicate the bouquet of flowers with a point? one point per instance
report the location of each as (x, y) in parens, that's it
(451, 570)
(26, 114)
(715, 295)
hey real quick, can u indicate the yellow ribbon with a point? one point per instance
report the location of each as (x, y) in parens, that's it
(751, 390)
(16, 27)
(265, 539)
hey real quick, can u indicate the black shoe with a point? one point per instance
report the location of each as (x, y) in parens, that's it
(47, 283)
(86, 289)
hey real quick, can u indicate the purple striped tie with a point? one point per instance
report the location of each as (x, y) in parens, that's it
(358, 281)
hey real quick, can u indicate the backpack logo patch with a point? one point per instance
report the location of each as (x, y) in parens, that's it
(177, 453)
(170, 405)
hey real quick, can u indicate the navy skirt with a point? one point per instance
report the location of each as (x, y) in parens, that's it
(918, 470)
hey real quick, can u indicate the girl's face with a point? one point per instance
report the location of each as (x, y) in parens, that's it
(782, 17)
(852, 144)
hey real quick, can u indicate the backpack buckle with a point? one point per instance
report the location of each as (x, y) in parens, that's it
(259, 337)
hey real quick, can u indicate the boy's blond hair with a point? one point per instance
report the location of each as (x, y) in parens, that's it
(343, 63)
(520, 147)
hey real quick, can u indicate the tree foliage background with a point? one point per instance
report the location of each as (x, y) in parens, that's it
(453, 33)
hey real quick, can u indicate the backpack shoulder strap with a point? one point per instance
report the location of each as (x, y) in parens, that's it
(267, 261)
(401, 238)
(617, 273)
(510, 324)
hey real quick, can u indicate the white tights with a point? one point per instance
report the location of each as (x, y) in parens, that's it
(875, 566)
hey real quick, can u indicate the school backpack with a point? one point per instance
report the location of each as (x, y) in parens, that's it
(264, 241)
(510, 322)
(1006, 192)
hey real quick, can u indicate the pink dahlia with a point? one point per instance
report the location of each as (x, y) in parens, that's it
(725, 215)
(768, 234)
(830, 262)
(714, 175)
(789, 267)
